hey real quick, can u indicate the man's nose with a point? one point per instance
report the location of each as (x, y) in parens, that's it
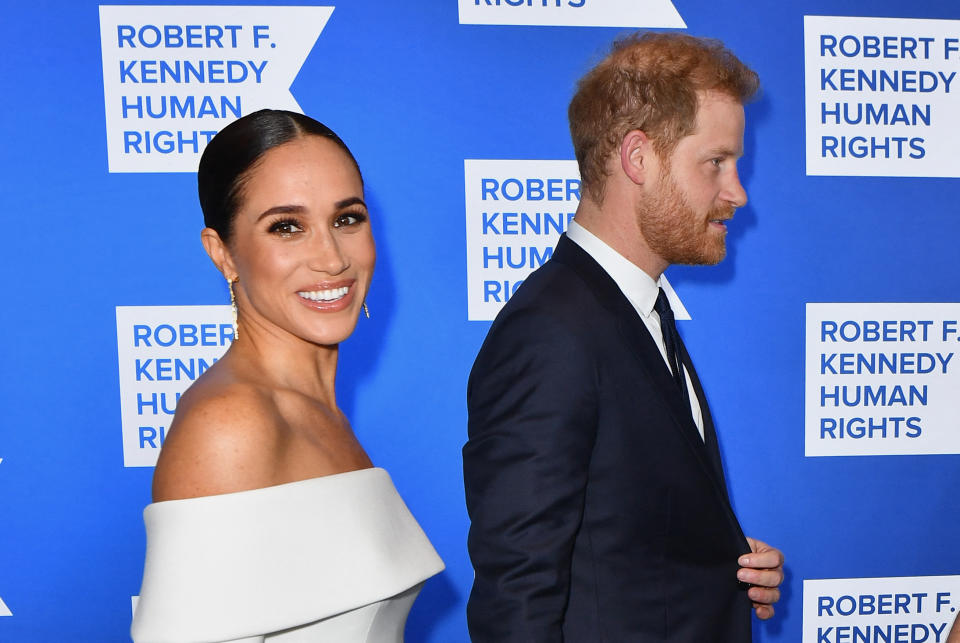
(733, 191)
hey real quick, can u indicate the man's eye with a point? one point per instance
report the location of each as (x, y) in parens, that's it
(285, 228)
(349, 219)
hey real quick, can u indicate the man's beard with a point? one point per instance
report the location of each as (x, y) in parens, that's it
(676, 233)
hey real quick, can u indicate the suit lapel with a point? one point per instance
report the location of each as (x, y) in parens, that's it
(712, 446)
(641, 345)
(709, 432)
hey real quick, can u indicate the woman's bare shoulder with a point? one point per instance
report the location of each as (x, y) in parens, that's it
(224, 438)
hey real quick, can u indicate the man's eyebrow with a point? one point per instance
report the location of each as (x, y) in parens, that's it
(725, 151)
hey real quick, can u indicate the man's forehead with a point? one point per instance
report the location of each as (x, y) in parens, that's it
(719, 124)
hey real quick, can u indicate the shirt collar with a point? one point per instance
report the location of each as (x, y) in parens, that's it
(636, 285)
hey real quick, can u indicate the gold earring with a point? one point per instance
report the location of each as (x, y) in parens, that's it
(233, 307)
(366, 311)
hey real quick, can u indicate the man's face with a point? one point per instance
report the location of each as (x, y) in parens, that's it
(697, 189)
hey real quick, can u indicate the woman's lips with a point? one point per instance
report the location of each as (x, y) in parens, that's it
(328, 297)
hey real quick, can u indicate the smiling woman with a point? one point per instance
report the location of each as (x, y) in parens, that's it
(269, 522)
(300, 234)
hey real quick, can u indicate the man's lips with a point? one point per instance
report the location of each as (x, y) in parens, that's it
(720, 217)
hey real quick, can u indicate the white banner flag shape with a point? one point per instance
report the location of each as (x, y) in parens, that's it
(173, 76)
(572, 13)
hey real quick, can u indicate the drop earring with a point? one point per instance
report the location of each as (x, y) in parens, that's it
(366, 311)
(233, 308)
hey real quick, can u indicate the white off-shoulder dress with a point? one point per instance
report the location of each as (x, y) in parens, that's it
(338, 558)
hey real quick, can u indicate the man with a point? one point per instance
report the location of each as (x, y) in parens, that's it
(593, 478)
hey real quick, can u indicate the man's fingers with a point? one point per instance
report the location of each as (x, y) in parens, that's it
(764, 595)
(761, 577)
(762, 568)
(768, 559)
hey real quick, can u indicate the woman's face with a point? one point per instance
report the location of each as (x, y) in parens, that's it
(301, 244)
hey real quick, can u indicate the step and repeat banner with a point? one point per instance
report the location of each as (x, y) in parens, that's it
(828, 340)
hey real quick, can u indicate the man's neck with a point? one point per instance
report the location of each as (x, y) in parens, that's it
(615, 223)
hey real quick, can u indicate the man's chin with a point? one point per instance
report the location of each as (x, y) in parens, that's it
(716, 257)
(715, 254)
(706, 257)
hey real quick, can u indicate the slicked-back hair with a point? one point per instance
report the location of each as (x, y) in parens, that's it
(649, 82)
(231, 155)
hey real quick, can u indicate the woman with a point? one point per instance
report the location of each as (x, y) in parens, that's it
(269, 522)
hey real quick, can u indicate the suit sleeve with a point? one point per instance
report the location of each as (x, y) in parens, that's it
(532, 424)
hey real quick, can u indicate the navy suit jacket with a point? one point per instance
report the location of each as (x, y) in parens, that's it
(597, 511)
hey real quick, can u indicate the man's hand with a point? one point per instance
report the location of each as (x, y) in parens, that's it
(763, 569)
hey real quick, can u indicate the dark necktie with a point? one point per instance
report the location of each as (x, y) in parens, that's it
(671, 341)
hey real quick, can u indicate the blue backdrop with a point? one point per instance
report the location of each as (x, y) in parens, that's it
(414, 93)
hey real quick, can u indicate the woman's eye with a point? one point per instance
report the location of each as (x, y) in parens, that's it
(349, 219)
(285, 228)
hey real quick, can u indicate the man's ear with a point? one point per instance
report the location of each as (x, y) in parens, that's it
(218, 253)
(636, 154)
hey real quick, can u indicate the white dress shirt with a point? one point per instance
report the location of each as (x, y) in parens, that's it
(640, 289)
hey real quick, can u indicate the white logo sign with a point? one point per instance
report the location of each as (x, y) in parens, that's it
(882, 96)
(173, 76)
(162, 350)
(571, 13)
(882, 379)
(516, 211)
(919, 609)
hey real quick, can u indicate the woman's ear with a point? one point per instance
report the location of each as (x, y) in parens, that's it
(218, 253)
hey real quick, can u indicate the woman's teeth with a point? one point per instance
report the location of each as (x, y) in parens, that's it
(325, 295)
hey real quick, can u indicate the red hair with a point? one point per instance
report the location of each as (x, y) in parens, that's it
(649, 82)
